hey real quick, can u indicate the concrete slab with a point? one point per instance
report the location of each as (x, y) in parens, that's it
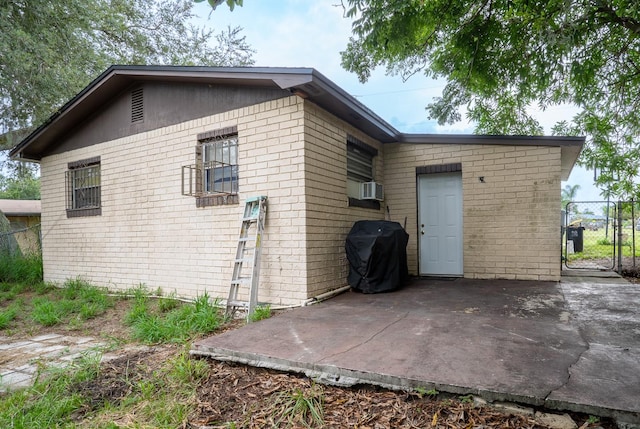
(536, 343)
(46, 337)
(20, 360)
(14, 380)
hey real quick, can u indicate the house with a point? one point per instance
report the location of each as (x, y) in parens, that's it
(146, 171)
(24, 223)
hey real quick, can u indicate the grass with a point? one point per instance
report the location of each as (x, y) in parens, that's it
(260, 313)
(171, 321)
(300, 407)
(7, 315)
(77, 299)
(21, 269)
(47, 305)
(161, 398)
(597, 245)
(50, 401)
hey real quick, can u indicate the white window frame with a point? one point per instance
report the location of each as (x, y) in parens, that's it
(220, 166)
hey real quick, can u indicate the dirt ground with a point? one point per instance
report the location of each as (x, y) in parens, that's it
(257, 398)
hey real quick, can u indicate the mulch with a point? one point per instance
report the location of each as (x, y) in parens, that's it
(258, 398)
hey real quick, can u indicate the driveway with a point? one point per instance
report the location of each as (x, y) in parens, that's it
(573, 345)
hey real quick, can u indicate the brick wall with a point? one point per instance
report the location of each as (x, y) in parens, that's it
(295, 153)
(329, 217)
(149, 233)
(511, 222)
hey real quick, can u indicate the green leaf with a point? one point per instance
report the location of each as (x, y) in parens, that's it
(502, 58)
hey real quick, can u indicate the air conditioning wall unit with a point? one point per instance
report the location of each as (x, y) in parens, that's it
(371, 191)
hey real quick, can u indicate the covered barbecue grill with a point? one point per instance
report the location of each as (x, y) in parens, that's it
(377, 254)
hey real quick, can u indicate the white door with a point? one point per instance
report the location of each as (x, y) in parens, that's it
(440, 224)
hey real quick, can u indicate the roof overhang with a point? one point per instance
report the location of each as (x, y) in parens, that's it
(304, 82)
(20, 207)
(570, 147)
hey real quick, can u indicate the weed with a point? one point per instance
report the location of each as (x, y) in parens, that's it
(138, 312)
(162, 399)
(466, 399)
(300, 407)
(593, 420)
(432, 392)
(21, 268)
(76, 323)
(261, 312)
(186, 369)
(41, 288)
(89, 310)
(177, 325)
(604, 242)
(10, 291)
(50, 402)
(422, 392)
(7, 315)
(140, 308)
(75, 298)
(147, 389)
(45, 312)
(168, 303)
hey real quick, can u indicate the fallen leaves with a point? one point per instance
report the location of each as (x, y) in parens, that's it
(252, 398)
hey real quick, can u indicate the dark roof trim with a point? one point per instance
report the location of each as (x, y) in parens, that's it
(570, 147)
(490, 139)
(305, 82)
(302, 81)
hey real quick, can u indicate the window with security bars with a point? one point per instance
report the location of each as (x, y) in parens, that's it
(220, 165)
(213, 179)
(84, 188)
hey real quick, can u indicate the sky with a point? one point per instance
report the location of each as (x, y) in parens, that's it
(312, 33)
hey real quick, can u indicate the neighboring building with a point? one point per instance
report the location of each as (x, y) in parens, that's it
(145, 173)
(24, 223)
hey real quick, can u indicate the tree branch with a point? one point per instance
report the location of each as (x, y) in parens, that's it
(612, 16)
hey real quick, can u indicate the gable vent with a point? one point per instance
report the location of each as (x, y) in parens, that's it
(137, 105)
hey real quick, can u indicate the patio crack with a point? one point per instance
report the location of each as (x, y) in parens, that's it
(571, 365)
(367, 340)
(580, 328)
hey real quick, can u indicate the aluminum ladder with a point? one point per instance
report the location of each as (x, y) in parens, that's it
(248, 252)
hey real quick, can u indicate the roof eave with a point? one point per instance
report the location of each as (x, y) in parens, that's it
(570, 146)
(297, 80)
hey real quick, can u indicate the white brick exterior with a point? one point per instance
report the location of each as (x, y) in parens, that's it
(149, 233)
(295, 153)
(510, 221)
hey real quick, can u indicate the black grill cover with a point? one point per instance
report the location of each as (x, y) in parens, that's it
(377, 254)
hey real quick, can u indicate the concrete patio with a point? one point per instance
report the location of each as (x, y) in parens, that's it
(573, 345)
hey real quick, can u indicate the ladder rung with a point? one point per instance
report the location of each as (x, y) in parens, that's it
(248, 251)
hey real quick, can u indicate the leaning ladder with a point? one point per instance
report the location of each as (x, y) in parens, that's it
(248, 252)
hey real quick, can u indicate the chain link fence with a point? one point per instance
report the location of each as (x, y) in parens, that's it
(19, 238)
(601, 235)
